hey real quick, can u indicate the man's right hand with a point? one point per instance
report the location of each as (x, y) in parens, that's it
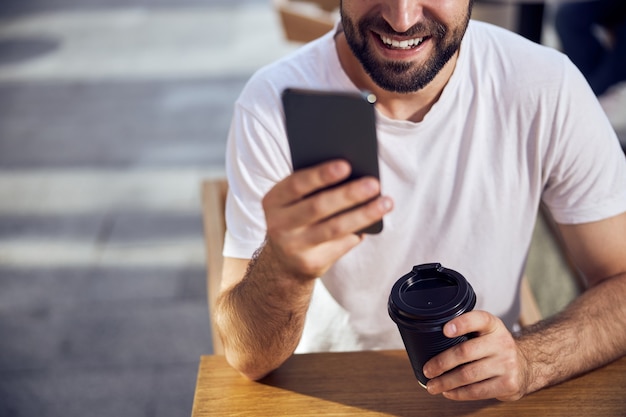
(262, 306)
(309, 230)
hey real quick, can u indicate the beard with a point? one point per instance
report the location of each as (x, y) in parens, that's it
(402, 76)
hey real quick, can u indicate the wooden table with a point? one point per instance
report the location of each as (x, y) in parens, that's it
(383, 384)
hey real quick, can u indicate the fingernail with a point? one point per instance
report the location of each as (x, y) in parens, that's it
(339, 168)
(451, 329)
(431, 388)
(386, 203)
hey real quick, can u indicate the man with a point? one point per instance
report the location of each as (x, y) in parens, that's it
(476, 127)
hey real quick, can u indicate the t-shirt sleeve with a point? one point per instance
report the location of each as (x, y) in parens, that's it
(585, 169)
(256, 159)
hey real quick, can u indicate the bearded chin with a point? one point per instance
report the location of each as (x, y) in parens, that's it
(403, 77)
(396, 76)
(400, 77)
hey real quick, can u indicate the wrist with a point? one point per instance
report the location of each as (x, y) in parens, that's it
(286, 270)
(539, 364)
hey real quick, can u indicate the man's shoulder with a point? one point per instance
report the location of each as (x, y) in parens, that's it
(489, 37)
(492, 51)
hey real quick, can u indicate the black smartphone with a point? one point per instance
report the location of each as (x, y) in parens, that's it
(323, 125)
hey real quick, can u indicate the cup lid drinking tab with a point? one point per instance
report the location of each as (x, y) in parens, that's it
(431, 293)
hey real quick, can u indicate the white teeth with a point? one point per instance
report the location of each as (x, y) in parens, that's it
(405, 44)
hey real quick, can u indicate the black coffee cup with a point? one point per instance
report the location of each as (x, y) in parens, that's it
(421, 303)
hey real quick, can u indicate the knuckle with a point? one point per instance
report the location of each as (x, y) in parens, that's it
(468, 373)
(273, 229)
(362, 190)
(351, 192)
(316, 207)
(278, 226)
(266, 201)
(495, 322)
(511, 362)
(511, 345)
(305, 265)
(478, 391)
(465, 350)
(289, 249)
(297, 188)
(374, 210)
(488, 319)
(334, 229)
(511, 387)
(327, 230)
(438, 364)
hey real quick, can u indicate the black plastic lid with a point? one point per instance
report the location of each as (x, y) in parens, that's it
(430, 294)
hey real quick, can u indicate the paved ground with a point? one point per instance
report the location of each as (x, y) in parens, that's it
(111, 111)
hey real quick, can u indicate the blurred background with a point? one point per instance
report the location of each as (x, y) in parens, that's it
(111, 112)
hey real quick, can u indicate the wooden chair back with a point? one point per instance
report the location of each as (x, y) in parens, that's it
(529, 309)
(213, 192)
(305, 20)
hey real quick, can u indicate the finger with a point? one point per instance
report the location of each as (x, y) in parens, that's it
(468, 351)
(493, 354)
(466, 374)
(486, 389)
(305, 182)
(322, 206)
(501, 388)
(313, 250)
(351, 221)
(479, 322)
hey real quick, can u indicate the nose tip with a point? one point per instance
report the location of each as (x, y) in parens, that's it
(402, 15)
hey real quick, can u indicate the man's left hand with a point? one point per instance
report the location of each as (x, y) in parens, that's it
(490, 365)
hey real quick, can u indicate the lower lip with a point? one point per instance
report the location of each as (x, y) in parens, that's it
(399, 53)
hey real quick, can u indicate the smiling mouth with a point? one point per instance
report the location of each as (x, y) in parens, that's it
(403, 44)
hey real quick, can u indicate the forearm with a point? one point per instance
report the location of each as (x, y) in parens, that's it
(261, 318)
(589, 333)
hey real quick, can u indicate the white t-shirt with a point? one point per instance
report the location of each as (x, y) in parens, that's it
(515, 126)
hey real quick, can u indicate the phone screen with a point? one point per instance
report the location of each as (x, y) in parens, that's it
(323, 125)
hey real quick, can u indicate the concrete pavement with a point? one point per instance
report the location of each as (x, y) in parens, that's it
(110, 114)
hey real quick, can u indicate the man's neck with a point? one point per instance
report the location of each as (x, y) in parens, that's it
(399, 106)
